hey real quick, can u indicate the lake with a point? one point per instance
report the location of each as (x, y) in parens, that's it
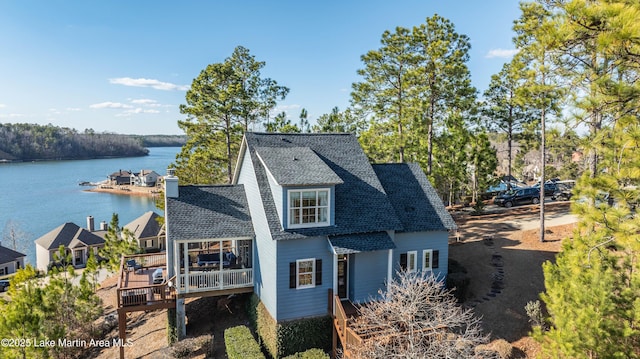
(37, 197)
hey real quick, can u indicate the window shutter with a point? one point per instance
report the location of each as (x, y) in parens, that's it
(435, 261)
(403, 261)
(292, 275)
(318, 271)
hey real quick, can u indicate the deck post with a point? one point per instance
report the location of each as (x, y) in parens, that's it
(334, 333)
(181, 320)
(122, 329)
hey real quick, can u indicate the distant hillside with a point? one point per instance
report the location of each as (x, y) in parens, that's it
(162, 140)
(32, 142)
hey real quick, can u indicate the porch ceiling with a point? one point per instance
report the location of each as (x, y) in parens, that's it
(361, 242)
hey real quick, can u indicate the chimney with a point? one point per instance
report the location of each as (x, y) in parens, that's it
(90, 224)
(171, 184)
(104, 226)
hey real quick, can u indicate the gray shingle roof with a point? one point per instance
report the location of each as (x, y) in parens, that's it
(9, 255)
(207, 212)
(361, 204)
(66, 235)
(361, 242)
(144, 226)
(414, 199)
(296, 166)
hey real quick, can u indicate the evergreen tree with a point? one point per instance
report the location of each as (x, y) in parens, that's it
(593, 288)
(118, 242)
(223, 101)
(282, 124)
(341, 122)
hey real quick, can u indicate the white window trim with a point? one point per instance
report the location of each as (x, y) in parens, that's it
(148, 243)
(313, 273)
(428, 267)
(314, 224)
(413, 268)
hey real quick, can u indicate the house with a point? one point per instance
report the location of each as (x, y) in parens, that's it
(305, 214)
(120, 178)
(145, 178)
(10, 261)
(77, 241)
(147, 231)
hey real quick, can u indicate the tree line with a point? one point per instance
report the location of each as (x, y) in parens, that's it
(26, 142)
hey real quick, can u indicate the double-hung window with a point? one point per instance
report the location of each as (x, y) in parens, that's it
(305, 273)
(412, 261)
(427, 260)
(308, 208)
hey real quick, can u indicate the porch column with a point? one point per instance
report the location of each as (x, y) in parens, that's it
(185, 263)
(389, 265)
(335, 279)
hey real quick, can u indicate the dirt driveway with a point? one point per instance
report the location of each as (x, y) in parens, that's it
(503, 258)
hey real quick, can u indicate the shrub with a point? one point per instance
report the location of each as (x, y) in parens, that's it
(314, 353)
(240, 344)
(189, 346)
(534, 311)
(287, 338)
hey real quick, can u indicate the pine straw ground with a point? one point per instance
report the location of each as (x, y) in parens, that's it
(504, 317)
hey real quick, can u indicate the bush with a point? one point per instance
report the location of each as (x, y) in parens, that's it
(240, 344)
(287, 338)
(187, 347)
(310, 354)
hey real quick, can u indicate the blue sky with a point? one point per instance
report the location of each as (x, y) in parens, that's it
(124, 66)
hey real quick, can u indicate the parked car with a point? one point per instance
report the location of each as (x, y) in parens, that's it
(564, 190)
(518, 196)
(4, 285)
(550, 187)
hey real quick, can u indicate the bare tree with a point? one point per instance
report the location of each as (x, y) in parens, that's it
(416, 317)
(14, 237)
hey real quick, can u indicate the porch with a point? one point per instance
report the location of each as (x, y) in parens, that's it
(214, 267)
(137, 289)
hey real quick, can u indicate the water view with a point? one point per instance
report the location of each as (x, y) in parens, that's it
(40, 196)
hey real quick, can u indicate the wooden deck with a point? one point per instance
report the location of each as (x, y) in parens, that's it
(136, 290)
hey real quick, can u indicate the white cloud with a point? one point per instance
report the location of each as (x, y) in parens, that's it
(110, 105)
(134, 111)
(144, 101)
(2, 105)
(141, 82)
(12, 115)
(503, 53)
(73, 109)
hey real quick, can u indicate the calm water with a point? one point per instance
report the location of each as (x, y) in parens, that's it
(40, 196)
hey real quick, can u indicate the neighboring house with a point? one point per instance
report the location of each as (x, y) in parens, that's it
(10, 261)
(148, 232)
(145, 178)
(120, 178)
(77, 241)
(305, 213)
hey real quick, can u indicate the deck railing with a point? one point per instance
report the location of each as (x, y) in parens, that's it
(148, 260)
(215, 280)
(147, 295)
(348, 337)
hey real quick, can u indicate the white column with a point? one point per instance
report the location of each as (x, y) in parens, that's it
(389, 265)
(185, 263)
(335, 278)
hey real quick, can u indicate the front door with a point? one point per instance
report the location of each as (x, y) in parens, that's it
(79, 254)
(343, 275)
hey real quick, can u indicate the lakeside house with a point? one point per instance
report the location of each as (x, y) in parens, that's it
(305, 214)
(148, 232)
(77, 241)
(145, 178)
(120, 177)
(10, 260)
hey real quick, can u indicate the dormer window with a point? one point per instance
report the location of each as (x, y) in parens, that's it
(308, 208)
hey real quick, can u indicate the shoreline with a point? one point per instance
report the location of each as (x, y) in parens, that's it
(126, 190)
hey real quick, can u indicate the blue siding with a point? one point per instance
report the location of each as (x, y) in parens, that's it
(309, 302)
(367, 275)
(418, 241)
(264, 249)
